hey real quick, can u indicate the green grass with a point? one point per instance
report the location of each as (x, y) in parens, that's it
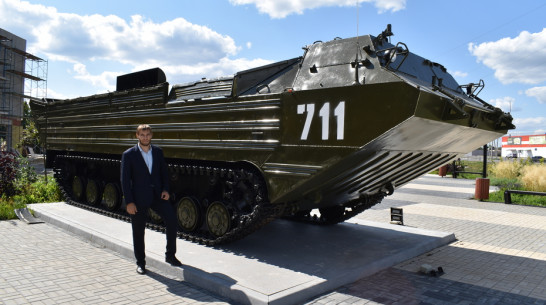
(514, 184)
(469, 166)
(469, 176)
(503, 184)
(7, 208)
(518, 199)
(472, 166)
(506, 183)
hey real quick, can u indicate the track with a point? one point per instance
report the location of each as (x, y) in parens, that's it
(243, 221)
(240, 189)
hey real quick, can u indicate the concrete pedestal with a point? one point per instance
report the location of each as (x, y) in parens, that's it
(283, 263)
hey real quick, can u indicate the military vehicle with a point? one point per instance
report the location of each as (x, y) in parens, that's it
(317, 138)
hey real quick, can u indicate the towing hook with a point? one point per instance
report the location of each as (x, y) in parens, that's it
(388, 188)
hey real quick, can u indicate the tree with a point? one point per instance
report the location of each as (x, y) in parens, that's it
(30, 136)
(26, 115)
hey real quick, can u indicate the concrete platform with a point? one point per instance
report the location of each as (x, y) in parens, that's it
(283, 263)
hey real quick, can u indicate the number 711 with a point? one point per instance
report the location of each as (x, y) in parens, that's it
(324, 113)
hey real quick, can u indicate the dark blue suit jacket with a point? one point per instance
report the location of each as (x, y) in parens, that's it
(138, 185)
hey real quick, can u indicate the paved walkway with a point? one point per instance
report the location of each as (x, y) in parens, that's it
(499, 258)
(42, 264)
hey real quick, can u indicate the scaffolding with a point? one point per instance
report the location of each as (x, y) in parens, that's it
(22, 78)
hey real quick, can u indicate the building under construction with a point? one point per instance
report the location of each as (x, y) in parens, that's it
(22, 77)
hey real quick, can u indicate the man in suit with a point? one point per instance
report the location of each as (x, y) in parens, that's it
(145, 184)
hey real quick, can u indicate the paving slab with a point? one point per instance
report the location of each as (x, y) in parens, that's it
(283, 263)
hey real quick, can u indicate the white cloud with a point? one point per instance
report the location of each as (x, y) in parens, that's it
(534, 121)
(537, 92)
(530, 125)
(387, 5)
(177, 46)
(74, 38)
(458, 74)
(505, 103)
(54, 94)
(515, 60)
(279, 9)
(103, 80)
(224, 67)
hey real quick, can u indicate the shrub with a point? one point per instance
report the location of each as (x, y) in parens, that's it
(7, 207)
(26, 174)
(36, 192)
(8, 174)
(533, 177)
(39, 191)
(506, 169)
(19, 186)
(506, 183)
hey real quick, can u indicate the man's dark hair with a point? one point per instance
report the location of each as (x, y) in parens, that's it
(143, 127)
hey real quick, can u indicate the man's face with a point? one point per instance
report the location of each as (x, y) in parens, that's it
(144, 137)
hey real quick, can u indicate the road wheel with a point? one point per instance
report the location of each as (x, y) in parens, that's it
(218, 219)
(112, 196)
(154, 217)
(93, 192)
(78, 187)
(188, 214)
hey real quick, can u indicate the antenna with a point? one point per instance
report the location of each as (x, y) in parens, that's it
(357, 81)
(357, 19)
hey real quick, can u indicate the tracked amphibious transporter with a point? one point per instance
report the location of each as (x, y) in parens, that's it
(335, 130)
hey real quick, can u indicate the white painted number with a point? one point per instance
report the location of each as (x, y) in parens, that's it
(339, 112)
(324, 113)
(310, 109)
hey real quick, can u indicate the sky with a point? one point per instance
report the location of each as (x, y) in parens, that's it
(87, 44)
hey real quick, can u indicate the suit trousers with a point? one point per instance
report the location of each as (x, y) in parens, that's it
(138, 222)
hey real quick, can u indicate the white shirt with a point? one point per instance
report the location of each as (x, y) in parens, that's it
(147, 157)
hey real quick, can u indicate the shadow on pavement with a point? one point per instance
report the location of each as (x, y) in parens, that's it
(325, 251)
(180, 288)
(488, 283)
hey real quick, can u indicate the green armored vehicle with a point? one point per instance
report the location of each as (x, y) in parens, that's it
(336, 130)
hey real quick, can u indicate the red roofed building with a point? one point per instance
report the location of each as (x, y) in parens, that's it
(523, 146)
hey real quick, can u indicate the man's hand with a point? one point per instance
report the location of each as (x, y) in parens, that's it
(131, 208)
(165, 195)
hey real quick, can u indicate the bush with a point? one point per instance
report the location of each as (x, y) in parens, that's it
(533, 177)
(519, 175)
(506, 183)
(506, 170)
(26, 174)
(8, 174)
(20, 186)
(7, 207)
(39, 191)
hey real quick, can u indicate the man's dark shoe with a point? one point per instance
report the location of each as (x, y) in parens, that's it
(141, 270)
(173, 261)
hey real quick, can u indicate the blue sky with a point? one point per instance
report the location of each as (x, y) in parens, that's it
(88, 43)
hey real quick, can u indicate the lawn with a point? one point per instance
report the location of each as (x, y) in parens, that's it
(511, 175)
